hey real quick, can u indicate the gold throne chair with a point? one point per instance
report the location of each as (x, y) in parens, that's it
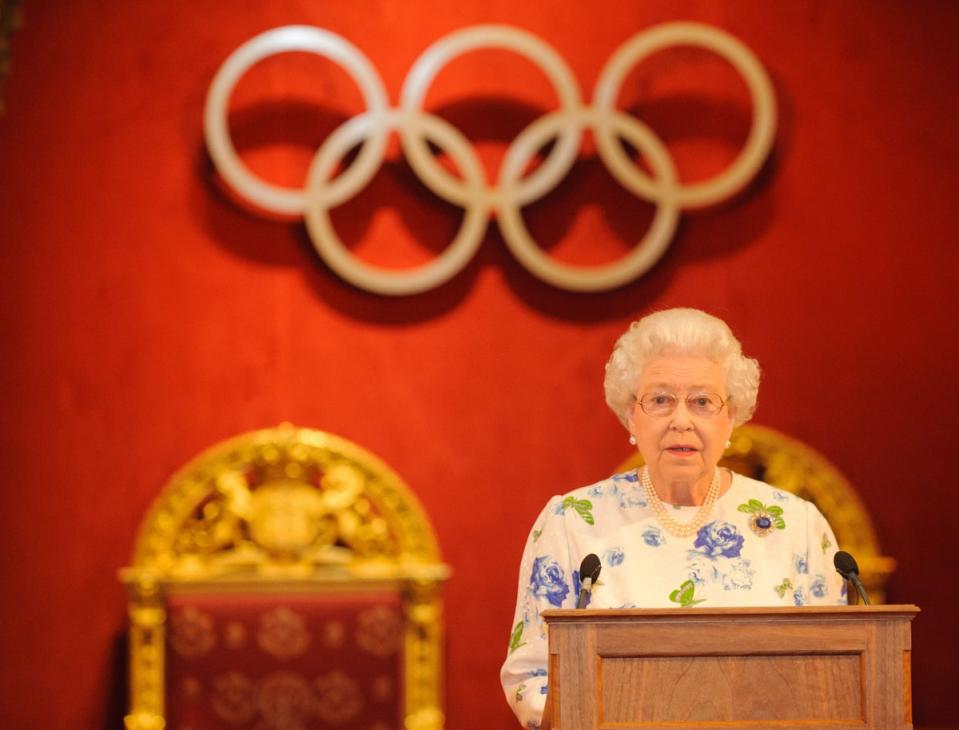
(285, 578)
(773, 457)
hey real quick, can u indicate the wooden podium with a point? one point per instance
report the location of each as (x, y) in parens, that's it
(806, 668)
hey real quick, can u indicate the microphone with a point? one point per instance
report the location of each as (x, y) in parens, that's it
(588, 573)
(846, 567)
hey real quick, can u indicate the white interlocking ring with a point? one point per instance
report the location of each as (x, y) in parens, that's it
(430, 63)
(761, 134)
(471, 190)
(274, 198)
(386, 281)
(606, 276)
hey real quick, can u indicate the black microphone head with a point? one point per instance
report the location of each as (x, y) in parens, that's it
(845, 564)
(590, 568)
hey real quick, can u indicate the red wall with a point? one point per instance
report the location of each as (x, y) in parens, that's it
(145, 317)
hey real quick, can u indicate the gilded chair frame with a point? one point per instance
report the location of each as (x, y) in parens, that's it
(785, 462)
(286, 510)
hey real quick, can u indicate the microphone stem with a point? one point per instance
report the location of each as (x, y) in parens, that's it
(853, 578)
(584, 592)
(862, 591)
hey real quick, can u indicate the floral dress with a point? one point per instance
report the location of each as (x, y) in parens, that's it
(762, 547)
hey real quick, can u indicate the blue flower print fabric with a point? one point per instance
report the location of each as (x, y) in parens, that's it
(547, 580)
(761, 547)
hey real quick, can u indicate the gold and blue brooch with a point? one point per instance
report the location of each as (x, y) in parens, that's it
(763, 518)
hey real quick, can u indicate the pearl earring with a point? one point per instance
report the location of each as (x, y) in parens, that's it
(728, 444)
(632, 439)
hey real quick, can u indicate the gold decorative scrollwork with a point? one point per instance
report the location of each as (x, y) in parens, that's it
(773, 457)
(278, 510)
(282, 497)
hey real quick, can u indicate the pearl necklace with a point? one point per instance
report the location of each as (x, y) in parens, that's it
(681, 529)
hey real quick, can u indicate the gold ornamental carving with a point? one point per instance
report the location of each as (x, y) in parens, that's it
(284, 499)
(282, 511)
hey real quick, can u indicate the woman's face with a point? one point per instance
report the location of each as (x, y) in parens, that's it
(683, 445)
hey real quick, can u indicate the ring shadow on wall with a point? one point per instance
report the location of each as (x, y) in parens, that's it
(395, 221)
(286, 578)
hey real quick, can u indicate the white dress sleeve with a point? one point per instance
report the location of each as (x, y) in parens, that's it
(545, 581)
(824, 586)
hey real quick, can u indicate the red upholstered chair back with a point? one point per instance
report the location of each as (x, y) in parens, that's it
(285, 580)
(285, 661)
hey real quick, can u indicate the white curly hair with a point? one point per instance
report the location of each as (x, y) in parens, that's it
(680, 331)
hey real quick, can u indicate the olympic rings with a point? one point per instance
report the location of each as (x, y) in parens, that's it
(471, 191)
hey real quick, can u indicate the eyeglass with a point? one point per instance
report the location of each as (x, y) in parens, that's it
(661, 403)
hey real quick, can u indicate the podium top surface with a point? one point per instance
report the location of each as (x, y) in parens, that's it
(758, 613)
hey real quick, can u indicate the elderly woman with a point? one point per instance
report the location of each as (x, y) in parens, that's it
(679, 531)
